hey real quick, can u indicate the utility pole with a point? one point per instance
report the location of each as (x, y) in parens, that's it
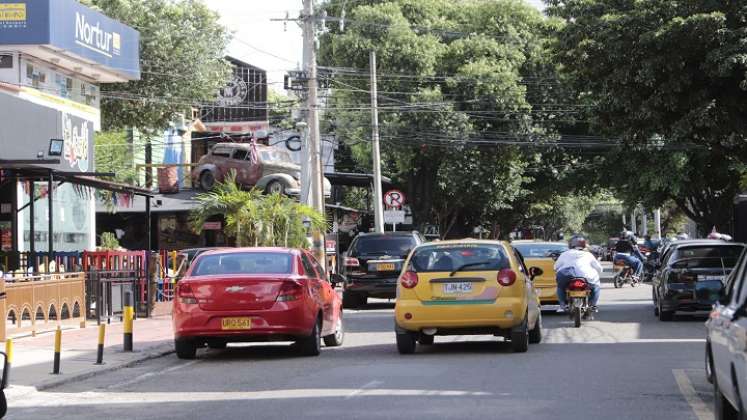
(317, 187)
(378, 199)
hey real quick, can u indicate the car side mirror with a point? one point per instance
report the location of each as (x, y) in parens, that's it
(336, 279)
(535, 272)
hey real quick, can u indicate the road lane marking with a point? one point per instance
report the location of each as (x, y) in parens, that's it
(94, 398)
(360, 390)
(149, 374)
(701, 410)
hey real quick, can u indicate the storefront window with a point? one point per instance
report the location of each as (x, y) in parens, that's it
(72, 218)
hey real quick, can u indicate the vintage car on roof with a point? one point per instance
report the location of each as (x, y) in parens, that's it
(267, 168)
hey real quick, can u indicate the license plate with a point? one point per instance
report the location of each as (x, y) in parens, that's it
(385, 267)
(236, 323)
(456, 288)
(711, 278)
(576, 294)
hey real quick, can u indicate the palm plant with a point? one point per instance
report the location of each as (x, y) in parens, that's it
(256, 219)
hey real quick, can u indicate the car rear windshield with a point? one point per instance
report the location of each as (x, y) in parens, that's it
(707, 256)
(539, 250)
(449, 258)
(243, 263)
(395, 246)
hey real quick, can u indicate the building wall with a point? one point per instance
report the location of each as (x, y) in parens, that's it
(25, 130)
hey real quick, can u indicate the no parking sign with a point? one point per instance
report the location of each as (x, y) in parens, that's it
(394, 199)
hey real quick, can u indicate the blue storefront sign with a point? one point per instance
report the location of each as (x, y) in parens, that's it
(74, 28)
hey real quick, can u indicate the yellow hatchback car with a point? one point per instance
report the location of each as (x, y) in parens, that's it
(540, 254)
(466, 287)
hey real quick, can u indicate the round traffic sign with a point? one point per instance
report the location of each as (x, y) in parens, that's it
(394, 198)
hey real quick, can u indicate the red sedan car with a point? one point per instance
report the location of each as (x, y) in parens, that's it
(255, 295)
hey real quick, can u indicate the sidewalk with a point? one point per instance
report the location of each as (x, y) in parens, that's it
(33, 356)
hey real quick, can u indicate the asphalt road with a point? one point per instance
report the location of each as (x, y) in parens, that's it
(623, 365)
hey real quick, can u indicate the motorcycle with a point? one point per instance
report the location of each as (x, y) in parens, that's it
(623, 275)
(577, 295)
(649, 266)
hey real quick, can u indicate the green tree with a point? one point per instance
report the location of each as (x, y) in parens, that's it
(114, 154)
(453, 97)
(182, 45)
(254, 219)
(669, 79)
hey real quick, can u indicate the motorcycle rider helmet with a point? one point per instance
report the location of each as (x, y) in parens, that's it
(577, 242)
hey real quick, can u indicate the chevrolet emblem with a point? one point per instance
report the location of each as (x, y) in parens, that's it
(234, 289)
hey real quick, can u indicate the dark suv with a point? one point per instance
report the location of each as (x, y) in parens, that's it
(691, 274)
(372, 264)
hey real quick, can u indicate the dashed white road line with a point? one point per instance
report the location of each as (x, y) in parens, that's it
(701, 410)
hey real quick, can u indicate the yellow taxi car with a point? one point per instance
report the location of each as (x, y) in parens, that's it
(540, 254)
(466, 287)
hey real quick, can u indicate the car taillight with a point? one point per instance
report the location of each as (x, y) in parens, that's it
(506, 277)
(577, 284)
(409, 279)
(351, 262)
(290, 291)
(184, 291)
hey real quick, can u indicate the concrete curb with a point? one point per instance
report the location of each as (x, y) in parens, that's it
(152, 353)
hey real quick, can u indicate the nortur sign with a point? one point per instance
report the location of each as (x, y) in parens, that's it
(95, 38)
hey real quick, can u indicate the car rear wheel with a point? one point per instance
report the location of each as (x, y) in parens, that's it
(275, 187)
(665, 316)
(335, 340)
(312, 345)
(535, 334)
(185, 349)
(406, 343)
(723, 409)
(207, 180)
(708, 364)
(520, 338)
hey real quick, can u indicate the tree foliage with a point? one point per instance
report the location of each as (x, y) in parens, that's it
(182, 46)
(254, 219)
(453, 96)
(669, 79)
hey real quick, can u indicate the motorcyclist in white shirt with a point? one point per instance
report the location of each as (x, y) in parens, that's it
(577, 262)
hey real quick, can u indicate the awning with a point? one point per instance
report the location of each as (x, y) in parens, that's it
(30, 169)
(355, 179)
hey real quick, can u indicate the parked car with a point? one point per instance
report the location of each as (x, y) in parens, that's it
(191, 253)
(726, 346)
(466, 287)
(264, 167)
(255, 295)
(690, 276)
(542, 255)
(373, 263)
